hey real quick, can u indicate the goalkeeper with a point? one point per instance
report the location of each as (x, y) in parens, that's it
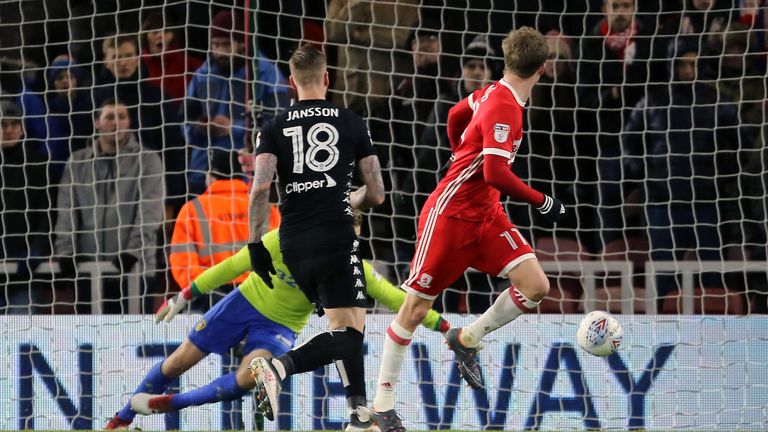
(268, 319)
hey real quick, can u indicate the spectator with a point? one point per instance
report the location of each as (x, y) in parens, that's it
(555, 160)
(753, 15)
(215, 105)
(110, 202)
(169, 66)
(613, 74)
(434, 150)
(678, 151)
(24, 228)
(704, 18)
(213, 226)
(152, 115)
(59, 119)
(370, 35)
(412, 103)
(736, 73)
(415, 94)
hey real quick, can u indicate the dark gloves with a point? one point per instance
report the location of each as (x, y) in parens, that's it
(67, 267)
(261, 262)
(125, 262)
(552, 209)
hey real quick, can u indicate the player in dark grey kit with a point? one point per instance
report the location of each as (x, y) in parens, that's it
(314, 147)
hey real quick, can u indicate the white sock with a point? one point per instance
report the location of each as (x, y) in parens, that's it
(279, 367)
(396, 341)
(509, 305)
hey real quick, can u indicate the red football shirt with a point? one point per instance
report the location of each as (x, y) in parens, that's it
(496, 128)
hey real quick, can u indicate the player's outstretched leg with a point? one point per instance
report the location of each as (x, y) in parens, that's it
(466, 358)
(155, 382)
(146, 404)
(509, 305)
(268, 386)
(223, 388)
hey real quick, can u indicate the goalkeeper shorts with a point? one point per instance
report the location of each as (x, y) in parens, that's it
(233, 319)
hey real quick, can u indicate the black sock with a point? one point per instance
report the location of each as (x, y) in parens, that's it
(323, 349)
(352, 373)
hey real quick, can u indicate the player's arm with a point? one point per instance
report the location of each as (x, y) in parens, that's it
(393, 298)
(208, 281)
(371, 194)
(264, 167)
(497, 152)
(459, 117)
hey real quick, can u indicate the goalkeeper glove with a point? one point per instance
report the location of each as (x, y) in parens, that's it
(261, 262)
(442, 325)
(552, 209)
(170, 308)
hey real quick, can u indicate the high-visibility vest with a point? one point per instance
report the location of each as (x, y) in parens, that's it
(210, 229)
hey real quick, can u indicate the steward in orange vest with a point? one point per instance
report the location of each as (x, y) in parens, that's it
(213, 226)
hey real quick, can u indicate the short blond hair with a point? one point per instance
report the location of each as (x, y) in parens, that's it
(308, 65)
(525, 51)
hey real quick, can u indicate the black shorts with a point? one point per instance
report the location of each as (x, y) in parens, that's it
(332, 280)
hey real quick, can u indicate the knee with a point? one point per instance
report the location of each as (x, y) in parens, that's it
(174, 366)
(185, 356)
(536, 288)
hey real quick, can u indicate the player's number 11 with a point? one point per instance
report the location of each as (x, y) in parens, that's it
(509, 236)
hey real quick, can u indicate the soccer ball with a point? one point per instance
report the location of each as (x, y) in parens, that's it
(600, 334)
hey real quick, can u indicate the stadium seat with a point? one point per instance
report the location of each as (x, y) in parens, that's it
(635, 250)
(558, 301)
(609, 299)
(707, 301)
(560, 249)
(565, 286)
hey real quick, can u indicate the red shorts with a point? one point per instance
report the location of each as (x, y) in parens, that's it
(447, 246)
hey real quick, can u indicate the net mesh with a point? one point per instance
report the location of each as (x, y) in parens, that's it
(648, 124)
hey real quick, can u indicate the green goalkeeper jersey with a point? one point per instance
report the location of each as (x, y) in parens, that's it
(286, 304)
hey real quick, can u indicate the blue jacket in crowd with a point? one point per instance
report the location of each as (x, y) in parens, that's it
(213, 92)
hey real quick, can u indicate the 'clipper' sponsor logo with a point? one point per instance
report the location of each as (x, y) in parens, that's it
(299, 187)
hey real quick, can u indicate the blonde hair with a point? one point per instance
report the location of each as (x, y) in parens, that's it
(308, 65)
(525, 50)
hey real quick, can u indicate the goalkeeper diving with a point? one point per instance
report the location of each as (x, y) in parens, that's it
(267, 319)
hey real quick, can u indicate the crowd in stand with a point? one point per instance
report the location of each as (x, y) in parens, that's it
(649, 126)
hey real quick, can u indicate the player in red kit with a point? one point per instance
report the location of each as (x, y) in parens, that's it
(463, 225)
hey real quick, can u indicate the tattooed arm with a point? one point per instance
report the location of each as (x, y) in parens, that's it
(264, 168)
(372, 192)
